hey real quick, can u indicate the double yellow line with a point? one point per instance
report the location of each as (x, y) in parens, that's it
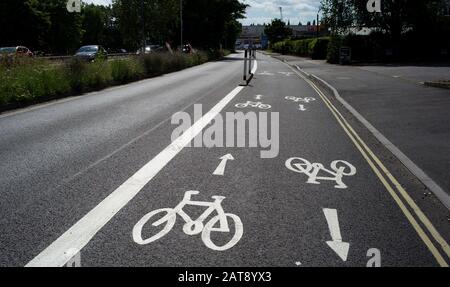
(391, 184)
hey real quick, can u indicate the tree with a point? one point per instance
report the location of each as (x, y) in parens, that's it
(401, 22)
(277, 31)
(22, 23)
(209, 23)
(161, 18)
(64, 33)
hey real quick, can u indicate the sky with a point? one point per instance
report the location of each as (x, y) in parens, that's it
(262, 11)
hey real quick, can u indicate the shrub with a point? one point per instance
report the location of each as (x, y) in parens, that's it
(315, 48)
(124, 71)
(333, 49)
(318, 48)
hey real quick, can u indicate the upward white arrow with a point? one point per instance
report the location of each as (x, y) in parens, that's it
(341, 248)
(220, 170)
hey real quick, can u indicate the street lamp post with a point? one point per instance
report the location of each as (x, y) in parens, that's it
(181, 21)
(317, 27)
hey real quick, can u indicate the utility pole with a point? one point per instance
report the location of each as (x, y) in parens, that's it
(181, 21)
(281, 13)
(317, 26)
(144, 40)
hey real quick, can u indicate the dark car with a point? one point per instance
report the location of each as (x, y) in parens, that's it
(91, 53)
(19, 51)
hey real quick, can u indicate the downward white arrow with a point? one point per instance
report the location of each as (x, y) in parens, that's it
(341, 248)
(220, 170)
(258, 97)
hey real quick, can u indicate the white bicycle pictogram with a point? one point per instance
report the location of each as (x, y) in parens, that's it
(303, 100)
(258, 105)
(193, 227)
(339, 169)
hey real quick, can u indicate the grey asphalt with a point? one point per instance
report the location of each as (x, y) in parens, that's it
(393, 99)
(57, 162)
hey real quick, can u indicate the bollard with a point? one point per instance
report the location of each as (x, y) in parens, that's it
(245, 66)
(250, 62)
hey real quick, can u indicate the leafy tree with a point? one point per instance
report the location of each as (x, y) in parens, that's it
(277, 31)
(209, 23)
(22, 23)
(161, 17)
(65, 33)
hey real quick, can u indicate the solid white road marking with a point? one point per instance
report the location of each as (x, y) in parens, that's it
(341, 248)
(220, 170)
(84, 230)
(258, 97)
(255, 67)
(302, 108)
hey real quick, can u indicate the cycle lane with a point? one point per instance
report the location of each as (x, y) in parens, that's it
(284, 222)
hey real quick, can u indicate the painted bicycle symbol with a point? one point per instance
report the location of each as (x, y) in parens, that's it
(193, 227)
(339, 169)
(258, 105)
(303, 100)
(287, 74)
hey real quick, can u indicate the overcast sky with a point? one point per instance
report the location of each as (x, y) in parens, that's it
(262, 11)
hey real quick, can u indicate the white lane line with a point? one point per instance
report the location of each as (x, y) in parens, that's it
(84, 230)
(220, 170)
(341, 248)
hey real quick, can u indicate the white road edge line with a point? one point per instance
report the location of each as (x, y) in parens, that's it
(407, 162)
(79, 235)
(255, 67)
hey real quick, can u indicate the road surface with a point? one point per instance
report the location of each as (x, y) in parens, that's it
(80, 178)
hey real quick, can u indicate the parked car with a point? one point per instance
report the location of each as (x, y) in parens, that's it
(91, 53)
(187, 49)
(150, 49)
(117, 51)
(19, 51)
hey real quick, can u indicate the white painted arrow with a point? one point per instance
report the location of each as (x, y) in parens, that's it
(220, 170)
(302, 108)
(341, 248)
(258, 97)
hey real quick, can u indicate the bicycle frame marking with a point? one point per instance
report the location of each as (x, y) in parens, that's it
(193, 227)
(303, 100)
(258, 105)
(312, 171)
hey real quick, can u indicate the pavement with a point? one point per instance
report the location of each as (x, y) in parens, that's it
(99, 175)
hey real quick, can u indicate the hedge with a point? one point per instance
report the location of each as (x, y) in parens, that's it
(315, 48)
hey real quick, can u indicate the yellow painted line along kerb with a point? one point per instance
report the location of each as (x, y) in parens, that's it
(423, 218)
(355, 138)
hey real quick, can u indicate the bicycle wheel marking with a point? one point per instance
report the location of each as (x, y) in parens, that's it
(337, 171)
(193, 227)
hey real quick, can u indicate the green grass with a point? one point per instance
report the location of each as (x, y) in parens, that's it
(28, 81)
